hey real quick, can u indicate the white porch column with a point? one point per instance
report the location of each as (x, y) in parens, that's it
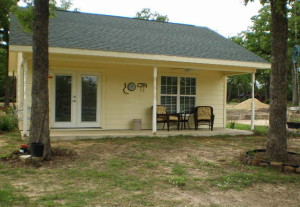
(25, 101)
(154, 129)
(253, 104)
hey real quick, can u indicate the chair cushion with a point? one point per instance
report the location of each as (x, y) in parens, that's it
(161, 110)
(204, 113)
(173, 118)
(160, 119)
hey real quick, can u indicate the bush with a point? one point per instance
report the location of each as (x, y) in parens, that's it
(8, 121)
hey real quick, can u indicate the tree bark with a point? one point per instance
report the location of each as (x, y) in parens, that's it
(39, 120)
(277, 142)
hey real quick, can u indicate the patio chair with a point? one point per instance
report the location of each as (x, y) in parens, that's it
(162, 116)
(204, 115)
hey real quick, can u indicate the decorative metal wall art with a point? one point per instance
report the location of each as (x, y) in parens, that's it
(130, 87)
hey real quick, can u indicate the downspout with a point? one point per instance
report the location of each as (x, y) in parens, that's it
(25, 101)
(253, 103)
(154, 129)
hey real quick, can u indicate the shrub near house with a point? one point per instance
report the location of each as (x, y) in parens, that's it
(8, 121)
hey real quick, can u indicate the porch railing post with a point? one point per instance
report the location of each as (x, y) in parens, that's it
(253, 103)
(154, 129)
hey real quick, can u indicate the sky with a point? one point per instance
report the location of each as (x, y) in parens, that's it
(227, 17)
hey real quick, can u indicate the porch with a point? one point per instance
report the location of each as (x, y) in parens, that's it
(92, 133)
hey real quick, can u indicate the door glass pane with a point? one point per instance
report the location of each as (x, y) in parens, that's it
(63, 87)
(88, 98)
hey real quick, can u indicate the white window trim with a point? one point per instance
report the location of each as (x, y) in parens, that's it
(178, 95)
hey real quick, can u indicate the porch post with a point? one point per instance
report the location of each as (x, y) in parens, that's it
(154, 101)
(253, 104)
(25, 101)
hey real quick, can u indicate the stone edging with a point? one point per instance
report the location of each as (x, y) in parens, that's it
(249, 159)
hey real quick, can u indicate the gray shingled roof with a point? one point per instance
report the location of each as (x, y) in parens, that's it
(111, 33)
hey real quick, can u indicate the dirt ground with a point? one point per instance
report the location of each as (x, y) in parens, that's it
(242, 115)
(204, 160)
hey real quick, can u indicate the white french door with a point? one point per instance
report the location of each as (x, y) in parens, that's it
(76, 100)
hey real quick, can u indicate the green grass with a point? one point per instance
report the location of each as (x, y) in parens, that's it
(178, 169)
(258, 130)
(138, 172)
(241, 180)
(9, 196)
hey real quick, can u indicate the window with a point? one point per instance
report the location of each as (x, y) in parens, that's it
(178, 94)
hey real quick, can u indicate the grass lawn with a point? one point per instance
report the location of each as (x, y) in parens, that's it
(175, 171)
(258, 130)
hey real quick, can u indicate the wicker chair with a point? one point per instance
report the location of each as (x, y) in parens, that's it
(162, 116)
(204, 115)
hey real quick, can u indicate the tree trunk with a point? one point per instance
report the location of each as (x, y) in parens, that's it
(277, 142)
(7, 89)
(39, 121)
(229, 93)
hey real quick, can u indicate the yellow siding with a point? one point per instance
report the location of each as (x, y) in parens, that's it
(119, 109)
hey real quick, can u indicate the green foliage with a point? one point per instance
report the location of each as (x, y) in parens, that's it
(3, 70)
(5, 6)
(238, 87)
(257, 39)
(65, 4)
(25, 16)
(147, 14)
(8, 121)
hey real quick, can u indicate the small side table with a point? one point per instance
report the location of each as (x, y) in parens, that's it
(184, 121)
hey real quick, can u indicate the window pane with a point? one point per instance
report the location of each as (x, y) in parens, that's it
(193, 81)
(170, 102)
(163, 80)
(168, 81)
(182, 90)
(187, 104)
(188, 86)
(193, 90)
(168, 85)
(163, 89)
(174, 81)
(174, 90)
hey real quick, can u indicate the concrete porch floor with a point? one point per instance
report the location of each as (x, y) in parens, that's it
(80, 134)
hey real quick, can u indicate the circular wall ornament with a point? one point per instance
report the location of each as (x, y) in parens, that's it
(131, 86)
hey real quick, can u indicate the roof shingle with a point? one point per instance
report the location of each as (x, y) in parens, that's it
(119, 34)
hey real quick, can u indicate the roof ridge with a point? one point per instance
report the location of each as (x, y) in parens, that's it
(132, 18)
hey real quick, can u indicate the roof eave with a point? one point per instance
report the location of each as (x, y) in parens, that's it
(71, 51)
